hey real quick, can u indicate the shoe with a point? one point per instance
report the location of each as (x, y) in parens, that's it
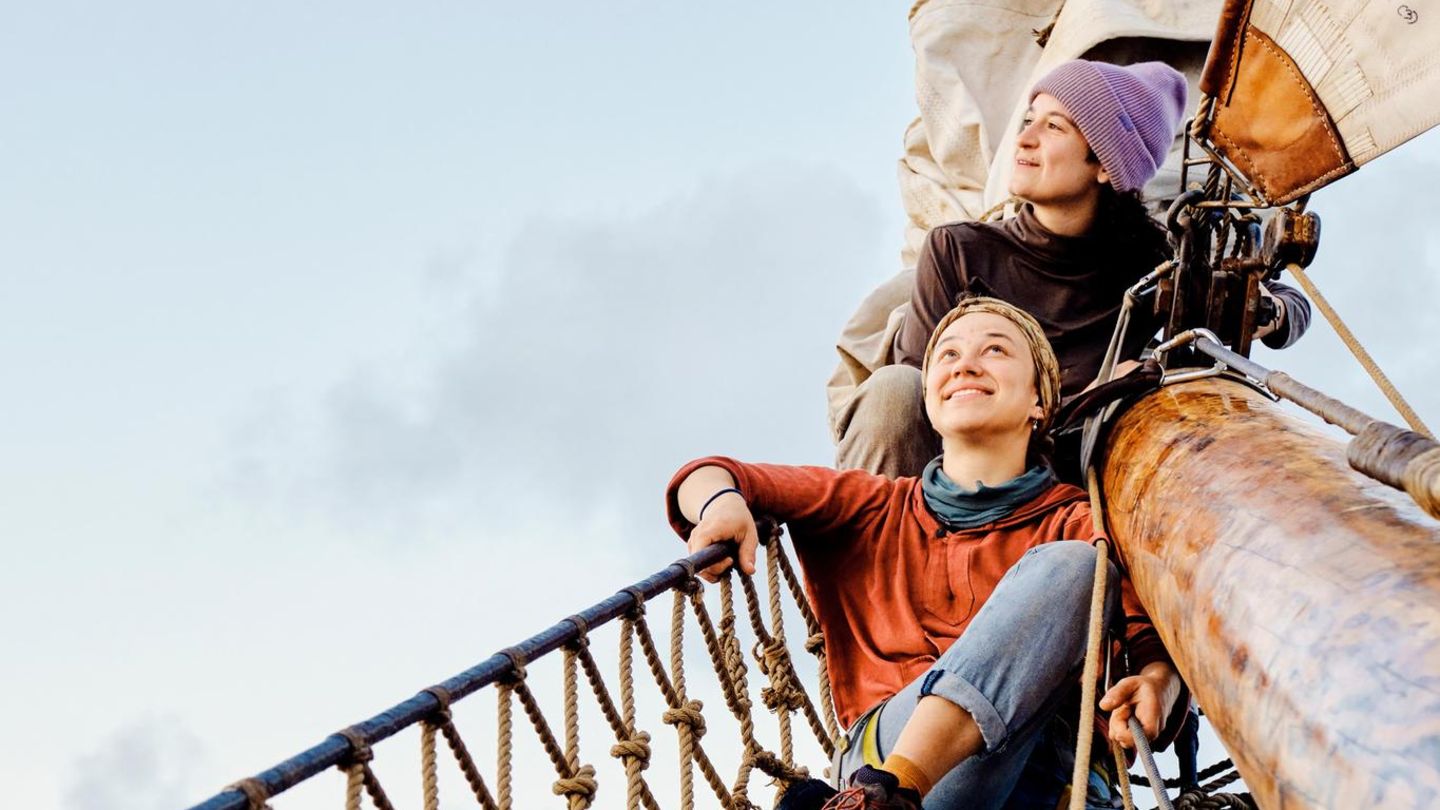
(808, 794)
(874, 789)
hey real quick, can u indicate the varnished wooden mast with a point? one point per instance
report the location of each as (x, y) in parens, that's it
(1300, 600)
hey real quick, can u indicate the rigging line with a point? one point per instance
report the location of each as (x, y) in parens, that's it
(1353, 344)
(1080, 776)
(1392, 455)
(1147, 760)
(1086, 727)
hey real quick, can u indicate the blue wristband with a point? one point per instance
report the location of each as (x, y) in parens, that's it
(712, 498)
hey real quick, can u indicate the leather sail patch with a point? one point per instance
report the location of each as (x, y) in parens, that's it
(1271, 125)
(1220, 63)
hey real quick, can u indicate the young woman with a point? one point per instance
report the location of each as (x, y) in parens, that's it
(1094, 134)
(954, 605)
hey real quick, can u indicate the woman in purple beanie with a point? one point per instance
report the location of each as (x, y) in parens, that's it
(1094, 134)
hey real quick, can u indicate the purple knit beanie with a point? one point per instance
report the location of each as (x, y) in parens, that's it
(1127, 114)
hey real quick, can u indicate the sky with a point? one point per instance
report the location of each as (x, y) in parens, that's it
(345, 344)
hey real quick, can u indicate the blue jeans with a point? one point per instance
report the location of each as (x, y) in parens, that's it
(1011, 670)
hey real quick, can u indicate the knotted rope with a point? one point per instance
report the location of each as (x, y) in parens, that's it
(577, 782)
(358, 773)
(441, 720)
(255, 793)
(1080, 775)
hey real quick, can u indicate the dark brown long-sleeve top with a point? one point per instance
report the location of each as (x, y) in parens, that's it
(1072, 285)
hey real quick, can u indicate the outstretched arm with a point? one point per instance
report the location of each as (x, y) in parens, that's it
(709, 500)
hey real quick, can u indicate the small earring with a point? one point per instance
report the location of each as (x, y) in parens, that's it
(1034, 424)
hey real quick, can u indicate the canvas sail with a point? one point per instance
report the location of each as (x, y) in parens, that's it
(1307, 91)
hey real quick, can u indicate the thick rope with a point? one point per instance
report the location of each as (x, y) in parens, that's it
(997, 211)
(683, 714)
(1122, 775)
(732, 671)
(631, 747)
(354, 782)
(429, 784)
(467, 764)
(1219, 801)
(442, 721)
(1147, 761)
(783, 696)
(1080, 776)
(1218, 768)
(358, 773)
(815, 645)
(578, 783)
(722, 657)
(502, 751)
(1401, 458)
(786, 693)
(1353, 344)
(689, 723)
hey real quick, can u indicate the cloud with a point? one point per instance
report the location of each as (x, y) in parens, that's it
(145, 764)
(598, 356)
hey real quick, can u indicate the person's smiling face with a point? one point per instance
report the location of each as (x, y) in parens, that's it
(981, 379)
(1053, 165)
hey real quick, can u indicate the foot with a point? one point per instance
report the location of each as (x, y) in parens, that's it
(874, 789)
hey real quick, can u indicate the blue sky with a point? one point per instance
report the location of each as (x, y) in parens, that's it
(347, 343)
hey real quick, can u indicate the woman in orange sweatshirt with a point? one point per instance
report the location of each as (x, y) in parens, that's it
(955, 604)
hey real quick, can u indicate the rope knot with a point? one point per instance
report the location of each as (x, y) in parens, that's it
(636, 748)
(578, 788)
(730, 653)
(815, 644)
(687, 715)
(637, 604)
(517, 665)
(360, 752)
(771, 656)
(691, 583)
(255, 793)
(782, 698)
(582, 631)
(774, 767)
(1422, 480)
(441, 715)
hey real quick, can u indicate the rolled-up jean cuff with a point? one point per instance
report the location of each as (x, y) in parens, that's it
(959, 691)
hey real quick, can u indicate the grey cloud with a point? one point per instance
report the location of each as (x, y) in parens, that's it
(608, 352)
(602, 353)
(143, 765)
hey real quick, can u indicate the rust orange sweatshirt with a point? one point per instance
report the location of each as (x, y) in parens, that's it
(891, 587)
